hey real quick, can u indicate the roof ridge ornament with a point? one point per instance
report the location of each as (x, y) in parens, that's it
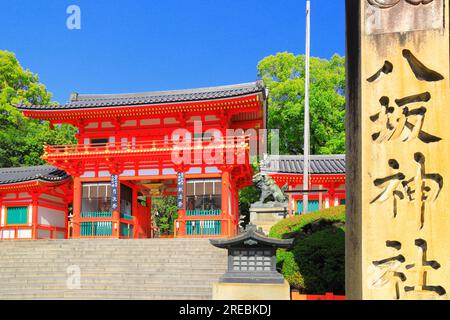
(73, 96)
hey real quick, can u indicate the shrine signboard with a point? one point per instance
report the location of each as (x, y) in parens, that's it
(398, 173)
(180, 190)
(114, 192)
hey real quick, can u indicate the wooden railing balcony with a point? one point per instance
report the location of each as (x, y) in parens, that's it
(198, 227)
(155, 147)
(203, 213)
(97, 214)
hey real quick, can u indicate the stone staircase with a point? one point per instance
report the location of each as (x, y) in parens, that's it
(110, 269)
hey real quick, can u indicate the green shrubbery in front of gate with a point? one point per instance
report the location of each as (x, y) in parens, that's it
(316, 263)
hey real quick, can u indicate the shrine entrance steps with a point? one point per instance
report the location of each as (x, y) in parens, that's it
(110, 269)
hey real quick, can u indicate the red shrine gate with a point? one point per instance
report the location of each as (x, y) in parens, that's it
(130, 145)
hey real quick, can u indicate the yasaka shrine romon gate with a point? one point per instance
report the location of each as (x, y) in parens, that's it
(132, 146)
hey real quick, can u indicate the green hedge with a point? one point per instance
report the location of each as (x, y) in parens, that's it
(315, 264)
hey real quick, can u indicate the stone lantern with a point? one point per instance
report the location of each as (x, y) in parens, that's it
(251, 273)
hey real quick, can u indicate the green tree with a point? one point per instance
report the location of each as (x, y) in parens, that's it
(316, 262)
(21, 138)
(165, 212)
(283, 75)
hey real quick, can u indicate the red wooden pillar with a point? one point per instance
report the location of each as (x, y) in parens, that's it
(290, 204)
(225, 215)
(137, 219)
(332, 194)
(76, 207)
(1, 213)
(66, 220)
(34, 220)
(236, 203)
(149, 229)
(116, 223)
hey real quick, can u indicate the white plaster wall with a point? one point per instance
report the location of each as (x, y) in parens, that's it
(149, 122)
(51, 217)
(212, 170)
(104, 174)
(170, 120)
(194, 118)
(145, 172)
(194, 171)
(92, 125)
(24, 234)
(127, 173)
(129, 123)
(211, 118)
(88, 174)
(168, 171)
(7, 234)
(107, 124)
(2, 212)
(30, 215)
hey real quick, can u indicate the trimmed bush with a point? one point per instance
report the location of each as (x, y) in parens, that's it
(315, 264)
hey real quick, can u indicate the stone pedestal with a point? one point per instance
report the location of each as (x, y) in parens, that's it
(266, 217)
(251, 291)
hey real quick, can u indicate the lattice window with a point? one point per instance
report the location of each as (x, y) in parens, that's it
(252, 260)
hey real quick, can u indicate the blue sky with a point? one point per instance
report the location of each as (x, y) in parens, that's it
(146, 45)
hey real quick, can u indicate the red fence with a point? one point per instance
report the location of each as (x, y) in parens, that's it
(326, 296)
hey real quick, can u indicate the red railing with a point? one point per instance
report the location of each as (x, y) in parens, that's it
(327, 296)
(87, 227)
(155, 146)
(204, 227)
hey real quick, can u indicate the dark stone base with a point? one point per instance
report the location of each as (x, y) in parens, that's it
(247, 277)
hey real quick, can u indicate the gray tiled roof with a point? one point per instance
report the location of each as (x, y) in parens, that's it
(82, 101)
(24, 174)
(319, 164)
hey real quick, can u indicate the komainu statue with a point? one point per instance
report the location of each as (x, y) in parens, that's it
(269, 188)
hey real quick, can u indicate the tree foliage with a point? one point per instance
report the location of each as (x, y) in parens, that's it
(165, 212)
(284, 76)
(22, 139)
(316, 263)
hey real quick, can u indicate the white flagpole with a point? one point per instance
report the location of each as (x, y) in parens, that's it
(306, 146)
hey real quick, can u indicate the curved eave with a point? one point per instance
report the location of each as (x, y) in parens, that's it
(31, 184)
(53, 113)
(252, 235)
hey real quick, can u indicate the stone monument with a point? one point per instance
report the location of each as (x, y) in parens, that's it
(398, 144)
(251, 273)
(264, 214)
